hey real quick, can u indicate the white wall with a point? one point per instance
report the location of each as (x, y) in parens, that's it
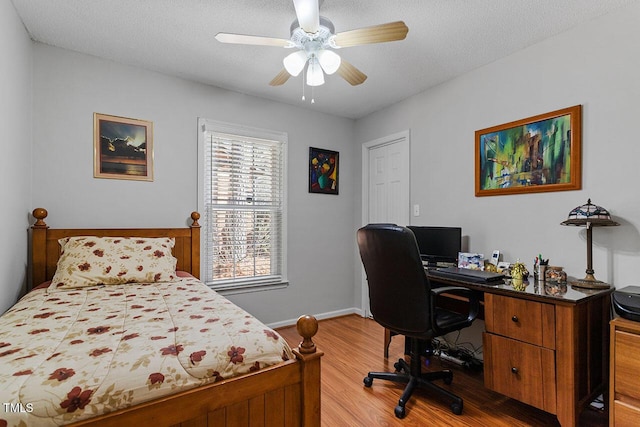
(15, 162)
(69, 87)
(595, 64)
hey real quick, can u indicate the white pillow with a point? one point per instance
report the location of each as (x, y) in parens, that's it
(90, 260)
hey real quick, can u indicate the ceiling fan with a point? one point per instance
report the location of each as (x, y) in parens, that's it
(314, 38)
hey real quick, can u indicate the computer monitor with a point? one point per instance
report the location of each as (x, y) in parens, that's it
(438, 244)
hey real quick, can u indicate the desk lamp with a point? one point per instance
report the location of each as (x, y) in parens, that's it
(589, 216)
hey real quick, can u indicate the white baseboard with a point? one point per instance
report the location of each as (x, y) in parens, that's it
(319, 316)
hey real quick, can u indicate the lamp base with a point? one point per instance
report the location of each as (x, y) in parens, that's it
(589, 283)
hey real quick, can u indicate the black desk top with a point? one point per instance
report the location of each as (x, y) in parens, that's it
(534, 290)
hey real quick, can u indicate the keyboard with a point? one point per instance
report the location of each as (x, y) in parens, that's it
(467, 275)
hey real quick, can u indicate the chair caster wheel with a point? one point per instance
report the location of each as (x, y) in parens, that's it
(456, 408)
(368, 381)
(397, 366)
(399, 411)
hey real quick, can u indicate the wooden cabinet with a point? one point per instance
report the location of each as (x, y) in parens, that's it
(624, 387)
(519, 350)
(549, 351)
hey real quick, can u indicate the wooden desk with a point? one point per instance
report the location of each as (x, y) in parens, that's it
(549, 351)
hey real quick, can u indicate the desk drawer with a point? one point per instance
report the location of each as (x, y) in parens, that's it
(627, 367)
(519, 370)
(625, 415)
(529, 321)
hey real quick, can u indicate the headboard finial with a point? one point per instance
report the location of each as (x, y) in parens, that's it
(40, 214)
(195, 216)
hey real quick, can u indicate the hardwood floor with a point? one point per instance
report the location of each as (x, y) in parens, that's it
(352, 347)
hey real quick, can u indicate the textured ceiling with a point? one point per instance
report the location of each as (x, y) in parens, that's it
(446, 38)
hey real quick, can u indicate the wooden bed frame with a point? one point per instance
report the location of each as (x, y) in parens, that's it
(287, 394)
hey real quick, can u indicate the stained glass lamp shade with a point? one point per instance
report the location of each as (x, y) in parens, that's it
(589, 216)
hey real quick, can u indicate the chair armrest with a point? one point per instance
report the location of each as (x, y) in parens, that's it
(472, 295)
(457, 290)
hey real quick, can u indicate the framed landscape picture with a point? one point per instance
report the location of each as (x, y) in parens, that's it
(323, 171)
(122, 148)
(536, 154)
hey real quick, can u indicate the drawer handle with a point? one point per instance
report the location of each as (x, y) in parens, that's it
(514, 370)
(514, 318)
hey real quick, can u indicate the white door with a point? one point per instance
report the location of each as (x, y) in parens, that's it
(385, 187)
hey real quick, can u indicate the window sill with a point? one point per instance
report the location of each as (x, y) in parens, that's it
(248, 287)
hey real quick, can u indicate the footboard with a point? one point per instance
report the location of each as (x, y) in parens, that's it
(284, 395)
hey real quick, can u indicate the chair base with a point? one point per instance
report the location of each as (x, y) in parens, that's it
(413, 377)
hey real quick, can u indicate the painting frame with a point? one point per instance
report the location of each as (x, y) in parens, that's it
(546, 165)
(117, 152)
(324, 171)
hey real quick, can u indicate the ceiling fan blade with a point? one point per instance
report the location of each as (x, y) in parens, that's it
(280, 79)
(254, 40)
(389, 32)
(351, 74)
(308, 13)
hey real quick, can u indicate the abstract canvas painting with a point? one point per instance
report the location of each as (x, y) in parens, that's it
(323, 171)
(536, 154)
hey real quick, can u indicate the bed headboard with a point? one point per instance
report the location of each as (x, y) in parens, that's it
(45, 249)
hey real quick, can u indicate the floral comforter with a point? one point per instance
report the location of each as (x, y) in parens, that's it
(69, 355)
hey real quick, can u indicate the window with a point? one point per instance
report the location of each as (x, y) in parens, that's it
(244, 202)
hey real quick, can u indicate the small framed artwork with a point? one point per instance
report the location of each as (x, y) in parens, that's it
(537, 154)
(323, 171)
(122, 148)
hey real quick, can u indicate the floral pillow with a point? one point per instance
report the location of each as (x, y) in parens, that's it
(90, 260)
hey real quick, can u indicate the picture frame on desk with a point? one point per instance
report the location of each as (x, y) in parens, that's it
(473, 261)
(532, 155)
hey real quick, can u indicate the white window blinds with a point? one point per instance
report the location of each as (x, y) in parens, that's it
(244, 208)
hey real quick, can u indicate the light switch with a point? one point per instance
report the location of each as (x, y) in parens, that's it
(416, 210)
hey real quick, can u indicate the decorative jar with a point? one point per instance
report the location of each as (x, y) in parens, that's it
(555, 275)
(555, 281)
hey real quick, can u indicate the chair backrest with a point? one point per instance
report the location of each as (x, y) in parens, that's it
(399, 290)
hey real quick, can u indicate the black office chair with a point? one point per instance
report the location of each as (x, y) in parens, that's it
(401, 299)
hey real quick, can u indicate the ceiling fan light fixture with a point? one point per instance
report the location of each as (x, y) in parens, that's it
(294, 63)
(314, 37)
(329, 61)
(315, 76)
